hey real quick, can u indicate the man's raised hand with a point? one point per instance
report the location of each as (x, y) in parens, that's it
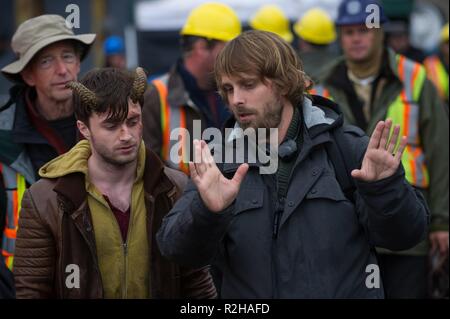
(216, 191)
(381, 159)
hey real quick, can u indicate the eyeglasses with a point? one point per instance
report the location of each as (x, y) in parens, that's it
(47, 62)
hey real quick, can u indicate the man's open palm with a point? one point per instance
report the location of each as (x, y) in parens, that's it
(216, 191)
(380, 161)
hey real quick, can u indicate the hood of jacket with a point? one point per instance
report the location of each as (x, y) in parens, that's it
(76, 161)
(317, 113)
(318, 117)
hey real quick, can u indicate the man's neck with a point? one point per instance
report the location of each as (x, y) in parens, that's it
(53, 110)
(108, 177)
(286, 118)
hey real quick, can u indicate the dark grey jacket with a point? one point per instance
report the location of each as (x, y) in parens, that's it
(325, 241)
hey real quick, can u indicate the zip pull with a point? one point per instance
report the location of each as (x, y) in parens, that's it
(277, 216)
(276, 221)
(125, 248)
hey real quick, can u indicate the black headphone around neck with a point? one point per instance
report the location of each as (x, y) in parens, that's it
(287, 150)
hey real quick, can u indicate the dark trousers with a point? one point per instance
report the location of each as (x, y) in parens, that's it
(403, 276)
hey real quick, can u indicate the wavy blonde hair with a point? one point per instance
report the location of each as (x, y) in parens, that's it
(267, 56)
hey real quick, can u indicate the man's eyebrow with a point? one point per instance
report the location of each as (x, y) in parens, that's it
(42, 56)
(134, 116)
(109, 121)
(247, 79)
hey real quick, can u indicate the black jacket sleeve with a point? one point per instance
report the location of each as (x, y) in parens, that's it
(393, 213)
(191, 234)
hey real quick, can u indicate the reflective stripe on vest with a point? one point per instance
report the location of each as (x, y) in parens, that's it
(320, 90)
(404, 111)
(438, 75)
(173, 125)
(15, 186)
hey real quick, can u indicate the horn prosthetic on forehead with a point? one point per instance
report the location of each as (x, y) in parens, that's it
(87, 96)
(139, 85)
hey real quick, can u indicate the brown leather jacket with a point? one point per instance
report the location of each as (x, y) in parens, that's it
(55, 230)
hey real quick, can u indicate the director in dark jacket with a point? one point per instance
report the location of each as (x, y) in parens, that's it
(294, 233)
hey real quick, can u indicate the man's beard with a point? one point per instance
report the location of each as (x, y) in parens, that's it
(271, 116)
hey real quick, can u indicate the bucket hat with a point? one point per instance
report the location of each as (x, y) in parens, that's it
(37, 33)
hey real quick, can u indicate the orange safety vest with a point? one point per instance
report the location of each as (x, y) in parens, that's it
(15, 186)
(173, 121)
(404, 111)
(438, 75)
(320, 90)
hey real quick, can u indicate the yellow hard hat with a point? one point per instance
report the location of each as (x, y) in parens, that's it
(271, 18)
(213, 20)
(316, 27)
(444, 33)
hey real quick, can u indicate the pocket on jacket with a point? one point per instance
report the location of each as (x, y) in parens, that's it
(326, 187)
(249, 199)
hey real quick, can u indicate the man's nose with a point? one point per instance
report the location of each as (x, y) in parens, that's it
(125, 132)
(237, 97)
(61, 67)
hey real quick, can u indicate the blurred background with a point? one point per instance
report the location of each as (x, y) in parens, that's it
(149, 28)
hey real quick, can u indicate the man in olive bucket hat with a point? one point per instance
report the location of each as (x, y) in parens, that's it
(37, 123)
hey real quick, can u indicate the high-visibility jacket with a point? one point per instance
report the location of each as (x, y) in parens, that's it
(404, 111)
(438, 75)
(15, 186)
(320, 90)
(173, 125)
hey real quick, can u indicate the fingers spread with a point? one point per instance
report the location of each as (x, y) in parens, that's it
(197, 152)
(198, 159)
(401, 148)
(374, 141)
(385, 134)
(193, 171)
(394, 139)
(206, 155)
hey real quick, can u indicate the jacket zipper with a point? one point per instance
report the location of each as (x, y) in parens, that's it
(277, 217)
(125, 262)
(276, 226)
(125, 252)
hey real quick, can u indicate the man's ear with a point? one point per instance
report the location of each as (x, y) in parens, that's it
(84, 130)
(27, 76)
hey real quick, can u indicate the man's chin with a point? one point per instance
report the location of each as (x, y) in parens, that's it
(359, 59)
(121, 160)
(62, 96)
(246, 124)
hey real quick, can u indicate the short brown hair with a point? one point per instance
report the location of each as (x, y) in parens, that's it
(107, 90)
(265, 55)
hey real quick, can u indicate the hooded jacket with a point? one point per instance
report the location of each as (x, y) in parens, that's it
(56, 232)
(322, 246)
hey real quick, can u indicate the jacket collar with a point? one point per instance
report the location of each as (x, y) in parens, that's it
(178, 95)
(338, 73)
(318, 116)
(72, 186)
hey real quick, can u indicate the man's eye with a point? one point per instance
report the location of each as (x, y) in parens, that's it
(69, 57)
(249, 85)
(45, 62)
